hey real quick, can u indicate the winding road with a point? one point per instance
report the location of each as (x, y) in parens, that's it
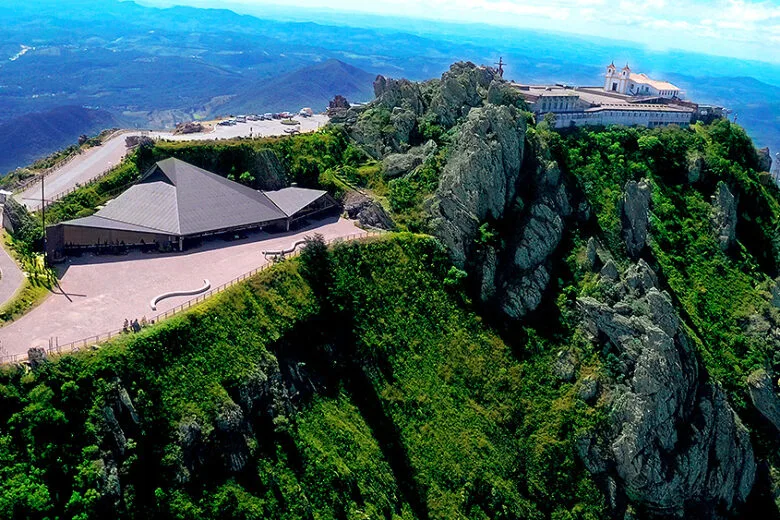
(95, 161)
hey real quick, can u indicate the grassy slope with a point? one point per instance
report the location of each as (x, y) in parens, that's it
(426, 413)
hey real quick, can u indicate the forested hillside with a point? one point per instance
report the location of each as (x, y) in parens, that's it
(566, 325)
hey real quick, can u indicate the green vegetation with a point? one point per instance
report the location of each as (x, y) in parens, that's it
(36, 286)
(718, 291)
(358, 382)
(352, 383)
(408, 194)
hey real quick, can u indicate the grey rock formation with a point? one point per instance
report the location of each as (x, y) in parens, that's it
(696, 164)
(501, 92)
(724, 216)
(391, 93)
(589, 389)
(591, 254)
(762, 394)
(397, 164)
(609, 271)
(113, 431)
(462, 88)
(366, 211)
(565, 366)
(775, 290)
(403, 122)
(636, 205)
(487, 288)
(479, 180)
(37, 357)
(764, 160)
(190, 441)
(230, 436)
(486, 169)
(675, 444)
(537, 236)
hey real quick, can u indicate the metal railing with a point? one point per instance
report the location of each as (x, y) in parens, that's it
(61, 195)
(94, 340)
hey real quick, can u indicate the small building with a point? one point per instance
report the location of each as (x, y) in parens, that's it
(176, 202)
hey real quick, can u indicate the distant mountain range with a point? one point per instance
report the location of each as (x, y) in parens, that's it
(151, 67)
(24, 139)
(309, 87)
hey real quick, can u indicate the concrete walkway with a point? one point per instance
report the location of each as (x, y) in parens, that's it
(100, 292)
(11, 277)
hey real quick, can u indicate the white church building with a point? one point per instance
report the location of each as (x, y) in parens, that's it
(625, 98)
(628, 83)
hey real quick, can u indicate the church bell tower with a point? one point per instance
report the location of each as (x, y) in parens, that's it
(612, 82)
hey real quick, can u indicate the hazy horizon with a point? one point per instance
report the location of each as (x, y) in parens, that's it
(729, 28)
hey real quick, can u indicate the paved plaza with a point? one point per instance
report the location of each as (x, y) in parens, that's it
(101, 291)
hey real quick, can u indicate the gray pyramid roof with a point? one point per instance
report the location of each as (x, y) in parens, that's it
(177, 198)
(292, 200)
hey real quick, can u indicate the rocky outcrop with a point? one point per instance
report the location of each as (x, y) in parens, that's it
(366, 211)
(192, 127)
(485, 180)
(762, 393)
(391, 93)
(696, 165)
(724, 216)
(764, 160)
(775, 292)
(37, 357)
(479, 180)
(339, 102)
(636, 206)
(462, 88)
(231, 437)
(398, 164)
(674, 446)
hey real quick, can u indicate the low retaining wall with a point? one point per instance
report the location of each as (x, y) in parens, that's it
(285, 251)
(174, 294)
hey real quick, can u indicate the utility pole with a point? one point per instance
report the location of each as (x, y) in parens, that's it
(43, 218)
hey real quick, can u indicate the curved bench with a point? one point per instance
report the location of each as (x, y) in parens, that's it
(284, 251)
(173, 294)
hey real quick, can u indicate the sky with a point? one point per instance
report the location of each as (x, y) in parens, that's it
(745, 29)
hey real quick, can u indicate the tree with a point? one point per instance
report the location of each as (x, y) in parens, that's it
(316, 265)
(247, 179)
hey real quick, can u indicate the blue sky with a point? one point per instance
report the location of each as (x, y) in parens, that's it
(739, 28)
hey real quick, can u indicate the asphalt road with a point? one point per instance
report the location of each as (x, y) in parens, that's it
(97, 160)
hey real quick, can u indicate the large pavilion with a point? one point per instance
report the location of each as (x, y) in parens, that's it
(175, 202)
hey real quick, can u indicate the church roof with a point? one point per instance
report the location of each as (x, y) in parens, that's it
(177, 198)
(645, 80)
